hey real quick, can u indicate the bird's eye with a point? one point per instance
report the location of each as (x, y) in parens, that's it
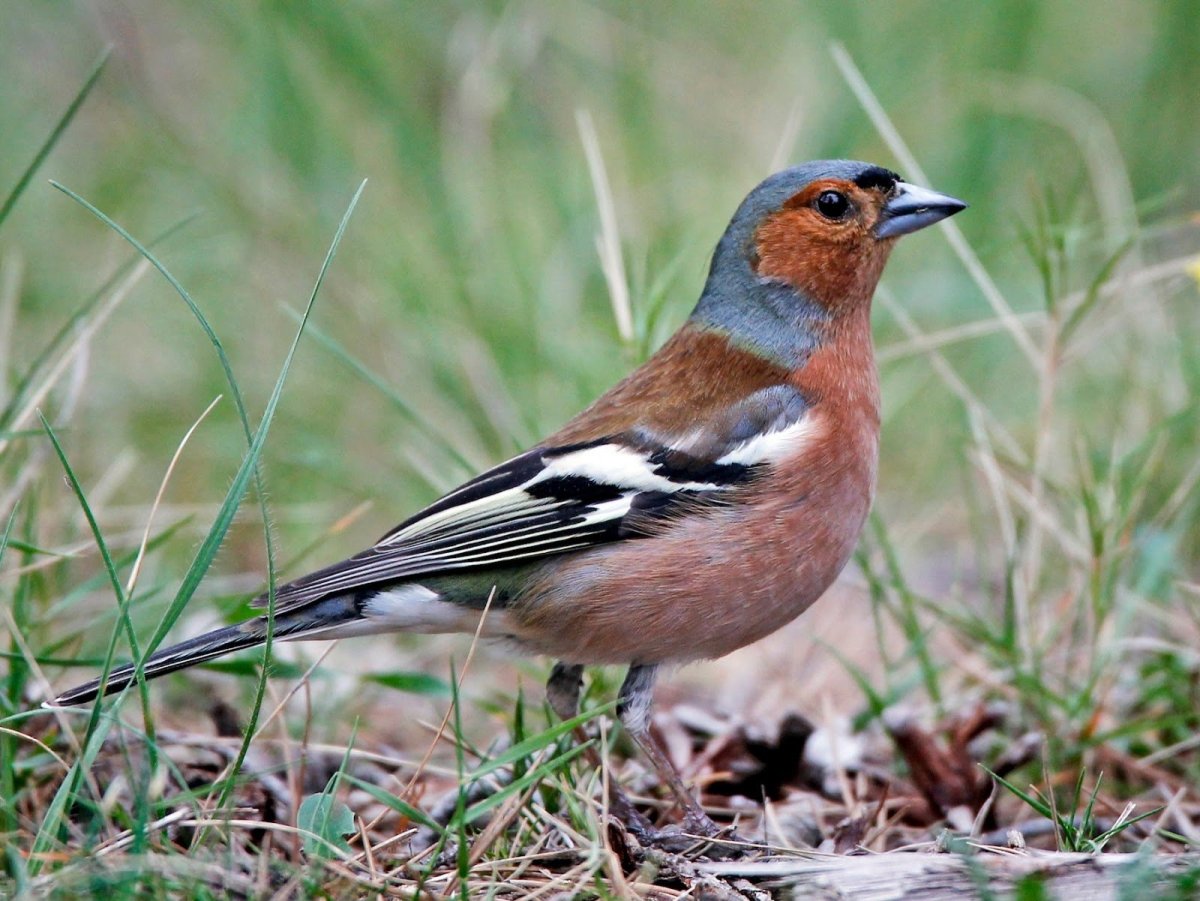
(833, 205)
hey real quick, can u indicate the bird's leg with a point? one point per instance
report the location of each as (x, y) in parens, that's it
(562, 693)
(563, 687)
(633, 709)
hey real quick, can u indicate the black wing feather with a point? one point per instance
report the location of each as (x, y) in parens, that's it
(540, 504)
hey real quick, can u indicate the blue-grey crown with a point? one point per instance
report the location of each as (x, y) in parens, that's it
(776, 189)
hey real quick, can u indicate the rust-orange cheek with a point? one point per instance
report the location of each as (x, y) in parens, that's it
(837, 266)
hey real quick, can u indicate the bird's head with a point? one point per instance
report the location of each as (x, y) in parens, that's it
(826, 228)
(806, 247)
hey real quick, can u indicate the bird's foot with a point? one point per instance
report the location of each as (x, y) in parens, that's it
(694, 840)
(697, 822)
(697, 833)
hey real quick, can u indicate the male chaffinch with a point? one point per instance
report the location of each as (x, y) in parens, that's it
(699, 505)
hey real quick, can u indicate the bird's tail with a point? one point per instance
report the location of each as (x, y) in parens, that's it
(326, 619)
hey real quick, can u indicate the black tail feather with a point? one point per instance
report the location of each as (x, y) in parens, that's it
(168, 660)
(319, 620)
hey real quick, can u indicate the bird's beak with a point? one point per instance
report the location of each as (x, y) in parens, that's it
(913, 208)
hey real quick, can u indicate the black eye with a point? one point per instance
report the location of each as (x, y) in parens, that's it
(833, 204)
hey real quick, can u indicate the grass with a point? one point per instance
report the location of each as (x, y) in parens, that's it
(546, 182)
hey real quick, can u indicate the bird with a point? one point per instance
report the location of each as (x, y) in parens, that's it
(706, 500)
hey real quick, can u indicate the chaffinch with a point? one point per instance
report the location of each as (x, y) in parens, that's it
(699, 505)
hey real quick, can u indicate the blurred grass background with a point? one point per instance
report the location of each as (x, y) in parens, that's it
(470, 287)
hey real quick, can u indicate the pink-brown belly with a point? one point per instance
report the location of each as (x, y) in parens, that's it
(714, 582)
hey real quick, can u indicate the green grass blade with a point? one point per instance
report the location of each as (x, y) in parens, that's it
(231, 381)
(459, 824)
(43, 660)
(1105, 837)
(1036, 803)
(44, 151)
(339, 352)
(906, 616)
(1089, 812)
(518, 785)
(1080, 313)
(47, 834)
(124, 623)
(141, 248)
(249, 467)
(62, 607)
(241, 480)
(25, 547)
(18, 394)
(17, 870)
(259, 439)
(537, 742)
(392, 802)
(225, 516)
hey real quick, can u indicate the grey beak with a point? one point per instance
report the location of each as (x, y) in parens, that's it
(913, 208)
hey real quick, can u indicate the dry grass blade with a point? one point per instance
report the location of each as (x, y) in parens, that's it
(608, 240)
(889, 132)
(73, 350)
(924, 342)
(12, 271)
(1060, 107)
(782, 155)
(41, 745)
(950, 377)
(1129, 282)
(136, 570)
(441, 730)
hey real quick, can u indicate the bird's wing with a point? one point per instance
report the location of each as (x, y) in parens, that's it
(557, 499)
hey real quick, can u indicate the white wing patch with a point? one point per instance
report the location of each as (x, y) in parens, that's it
(624, 468)
(771, 447)
(614, 464)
